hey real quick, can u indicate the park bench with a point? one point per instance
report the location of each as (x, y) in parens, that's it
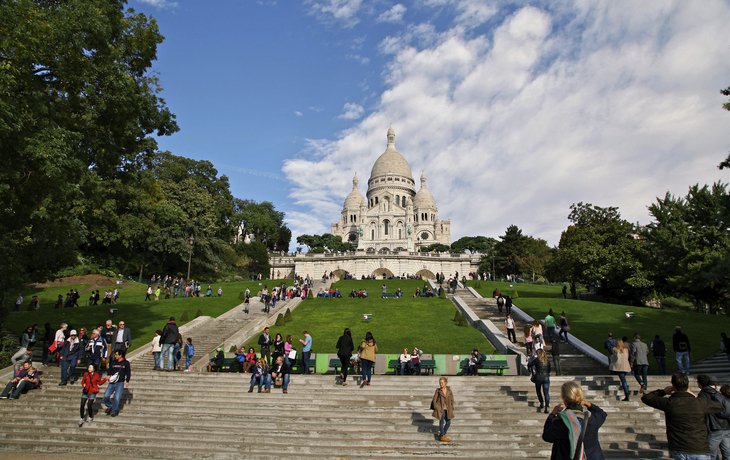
(427, 366)
(493, 362)
(298, 364)
(337, 364)
(225, 366)
(389, 294)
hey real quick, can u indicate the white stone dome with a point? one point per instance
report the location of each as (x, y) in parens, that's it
(391, 162)
(355, 198)
(423, 198)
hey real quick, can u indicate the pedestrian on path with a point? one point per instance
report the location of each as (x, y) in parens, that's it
(443, 408)
(345, 347)
(368, 348)
(90, 387)
(639, 359)
(119, 374)
(659, 349)
(509, 325)
(609, 344)
(682, 350)
(620, 365)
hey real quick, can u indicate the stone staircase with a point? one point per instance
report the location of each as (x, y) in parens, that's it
(715, 365)
(201, 415)
(572, 360)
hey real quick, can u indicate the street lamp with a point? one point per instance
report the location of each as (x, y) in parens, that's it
(494, 274)
(190, 254)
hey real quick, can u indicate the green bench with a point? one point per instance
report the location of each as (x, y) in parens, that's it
(492, 363)
(337, 364)
(427, 366)
(224, 367)
(389, 294)
(298, 365)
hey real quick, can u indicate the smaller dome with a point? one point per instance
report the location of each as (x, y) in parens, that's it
(423, 198)
(355, 198)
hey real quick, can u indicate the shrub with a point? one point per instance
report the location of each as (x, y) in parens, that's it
(310, 295)
(233, 349)
(463, 322)
(184, 317)
(8, 349)
(287, 315)
(442, 294)
(237, 278)
(280, 320)
(241, 296)
(199, 313)
(457, 315)
(478, 285)
(513, 294)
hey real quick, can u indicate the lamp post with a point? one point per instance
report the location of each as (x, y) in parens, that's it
(494, 274)
(191, 240)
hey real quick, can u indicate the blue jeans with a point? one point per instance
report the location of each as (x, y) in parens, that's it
(115, 389)
(719, 440)
(444, 424)
(661, 364)
(15, 389)
(683, 356)
(175, 349)
(550, 333)
(640, 371)
(685, 456)
(284, 385)
(68, 366)
(167, 350)
(305, 361)
(257, 380)
(543, 383)
(367, 367)
(404, 366)
(188, 362)
(158, 359)
(622, 377)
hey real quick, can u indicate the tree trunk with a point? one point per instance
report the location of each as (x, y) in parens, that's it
(573, 291)
(141, 267)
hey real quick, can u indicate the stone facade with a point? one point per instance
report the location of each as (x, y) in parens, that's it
(393, 217)
(363, 263)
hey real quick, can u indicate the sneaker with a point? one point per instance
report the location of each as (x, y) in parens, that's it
(362, 384)
(89, 419)
(81, 422)
(368, 383)
(546, 410)
(3, 397)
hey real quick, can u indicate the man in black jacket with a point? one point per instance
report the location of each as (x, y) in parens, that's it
(659, 349)
(685, 418)
(682, 350)
(168, 340)
(265, 343)
(718, 426)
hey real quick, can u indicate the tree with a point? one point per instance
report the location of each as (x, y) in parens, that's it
(436, 247)
(600, 247)
(260, 221)
(689, 244)
(320, 243)
(511, 251)
(76, 99)
(473, 244)
(257, 258)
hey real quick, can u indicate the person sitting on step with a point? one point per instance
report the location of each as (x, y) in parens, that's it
(259, 375)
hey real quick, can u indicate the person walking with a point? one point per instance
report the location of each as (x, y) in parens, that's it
(620, 365)
(508, 304)
(541, 378)
(168, 340)
(368, 348)
(108, 332)
(685, 418)
(639, 360)
(572, 420)
(609, 344)
(71, 354)
(97, 349)
(189, 352)
(306, 351)
(555, 352)
(564, 327)
(157, 350)
(345, 347)
(149, 293)
(119, 373)
(122, 338)
(509, 325)
(443, 408)
(500, 303)
(550, 325)
(659, 350)
(90, 387)
(718, 426)
(682, 350)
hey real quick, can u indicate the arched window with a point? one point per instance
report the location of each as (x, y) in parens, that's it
(397, 200)
(386, 225)
(400, 233)
(372, 234)
(376, 200)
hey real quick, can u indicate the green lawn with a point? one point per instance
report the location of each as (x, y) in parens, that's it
(141, 317)
(523, 290)
(592, 321)
(396, 324)
(375, 287)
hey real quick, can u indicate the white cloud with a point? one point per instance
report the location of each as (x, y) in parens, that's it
(612, 102)
(394, 14)
(297, 113)
(160, 4)
(363, 59)
(342, 11)
(352, 111)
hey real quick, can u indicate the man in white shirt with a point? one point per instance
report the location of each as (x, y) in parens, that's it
(18, 302)
(509, 324)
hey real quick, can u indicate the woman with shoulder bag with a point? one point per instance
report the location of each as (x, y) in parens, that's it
(570, 418)
(564, 327)
(443, 408)
(345, 347)
(368, 348)
(90, 387)
(541, 378)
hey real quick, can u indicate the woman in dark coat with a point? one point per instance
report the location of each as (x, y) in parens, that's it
(570, 414)
(345, 347)
(542, 378)
(278, 348)
(443, 408)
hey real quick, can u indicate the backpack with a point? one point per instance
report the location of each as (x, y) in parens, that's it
(660, 348)
(481, 357)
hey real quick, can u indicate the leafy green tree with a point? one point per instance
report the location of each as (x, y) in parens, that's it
(256, 258)
(600, 247)
(436, 247)
(511, 251)
(327, 241)
(473, 244)
(262, 222)
(76, 98)
(689, 244)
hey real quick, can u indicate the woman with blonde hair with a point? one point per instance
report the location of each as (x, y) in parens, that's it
(443, 408)
(620, 365)
(541, 378)
(536, 330)
(565, 425)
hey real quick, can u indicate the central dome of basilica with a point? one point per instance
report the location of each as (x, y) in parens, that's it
(391, 162)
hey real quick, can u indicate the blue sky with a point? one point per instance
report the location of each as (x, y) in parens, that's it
(514, 110)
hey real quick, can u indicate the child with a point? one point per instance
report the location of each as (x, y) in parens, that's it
(90, 384)
(189, 353)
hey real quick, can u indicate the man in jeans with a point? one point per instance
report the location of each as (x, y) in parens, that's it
(168, 340)
(639, 360)
(685, 418)
(659, 348)
(119, 374)
(682, 350)
(306, 351)
(718, 426)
